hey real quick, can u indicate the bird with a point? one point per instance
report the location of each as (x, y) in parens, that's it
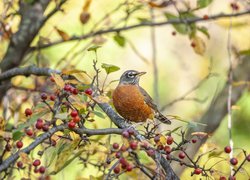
(132, 102)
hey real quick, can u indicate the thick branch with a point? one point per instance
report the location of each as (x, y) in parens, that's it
(26, 72)
(143, 24)
(121, 123)
(6, 163)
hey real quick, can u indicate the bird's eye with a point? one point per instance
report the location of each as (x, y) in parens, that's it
(130, 75)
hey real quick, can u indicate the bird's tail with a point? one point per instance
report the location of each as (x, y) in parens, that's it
(162, 118)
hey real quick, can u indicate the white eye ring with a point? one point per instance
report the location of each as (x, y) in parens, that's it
(131, 75)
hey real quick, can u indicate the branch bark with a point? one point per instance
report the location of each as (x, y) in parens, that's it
(144, 24)
(27, 71)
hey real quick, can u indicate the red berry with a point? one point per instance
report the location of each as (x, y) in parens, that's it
(129, 167)
(194, 141)
(123, 148)
(52, 97)
(234, 161)
(76, 119)
(67, 87)
(182, 155)
(39, 124)
(150, 152)
(115, 145)
(223, 178)
(156, 138)
(74, 113)
(168, 157)
(131, 131)
(39, 120)
(75, 91)
(193, 44)
(248, 157)
(28, 112)
(52, 79)
(205, 17)
(167, 149)
(117, 169)
(133, 145)
(42, 169)
(19, 164)
(197, 171)
(125, 134)
(234, 6)
(88, 91)
(37, 162)
(45, 127)
(170, 140)
(29, 132)
(43, 96)
(227, 149)
(71, 124)
(118, 154)
(19, 144)
(160, 147)
(123, 161)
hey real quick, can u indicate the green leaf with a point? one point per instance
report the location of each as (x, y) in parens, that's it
(120, 40)
(215, 154)
(109, 68)
(94, 48)
(245, 52)
(17, 135)
(204, 31)
(143, 20)
(180, 28)
(61, 116)
(99, 114)
(203, 3)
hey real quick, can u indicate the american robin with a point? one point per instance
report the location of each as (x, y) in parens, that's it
(132, 102)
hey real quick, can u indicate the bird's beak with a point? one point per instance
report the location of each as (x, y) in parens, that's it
(141, 73)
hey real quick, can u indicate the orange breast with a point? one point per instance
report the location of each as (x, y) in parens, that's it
(130, 104)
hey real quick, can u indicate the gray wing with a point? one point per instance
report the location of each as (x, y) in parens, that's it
(149, 101)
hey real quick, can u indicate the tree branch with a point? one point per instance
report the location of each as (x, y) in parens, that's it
(143, 24)
(218, 109)
(26, 71)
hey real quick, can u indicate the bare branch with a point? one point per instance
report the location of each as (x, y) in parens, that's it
(143, 24)
(26, 72)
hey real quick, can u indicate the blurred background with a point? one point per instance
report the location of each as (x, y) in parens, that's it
(179, 66)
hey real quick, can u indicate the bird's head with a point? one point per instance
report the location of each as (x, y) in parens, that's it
(131, 77)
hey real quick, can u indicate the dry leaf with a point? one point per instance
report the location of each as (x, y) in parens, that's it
(58, 80)
(200, 134)
(84, 17)
(25, 158)
(63, 34)
(82, 77)
(199, 45)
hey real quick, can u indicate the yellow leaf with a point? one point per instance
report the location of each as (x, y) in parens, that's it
(163, 140)
(63, 34)
(25, 158)
(82, 77)
(235, 107)
(101, 99)
(198, 45)
(58, 80)
(72, 71)
(5, 134)
(2, 123)
(77, 103)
